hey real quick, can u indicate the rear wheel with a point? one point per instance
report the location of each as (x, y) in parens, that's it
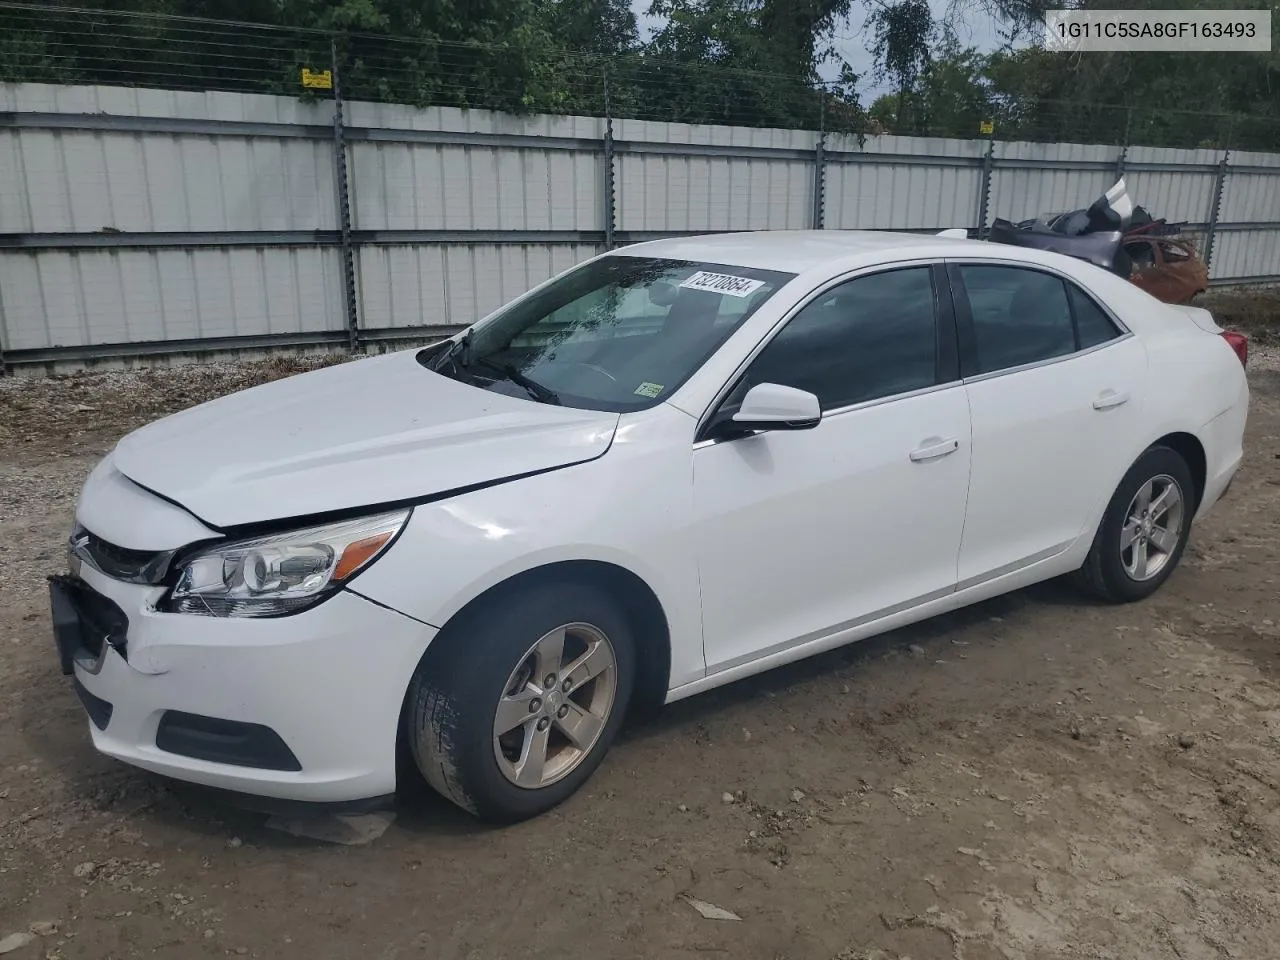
(518, 705)
(1144, 530)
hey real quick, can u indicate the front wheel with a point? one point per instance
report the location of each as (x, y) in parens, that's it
(519, 704)
(1144, 530)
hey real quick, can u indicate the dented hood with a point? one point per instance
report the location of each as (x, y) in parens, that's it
(359, 434)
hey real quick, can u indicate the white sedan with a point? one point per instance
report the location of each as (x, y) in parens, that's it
(672, 466)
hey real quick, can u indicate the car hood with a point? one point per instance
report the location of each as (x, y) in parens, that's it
(359, 434)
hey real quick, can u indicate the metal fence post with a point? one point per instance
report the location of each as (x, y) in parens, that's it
(820, 168)
(608, 199)
(984, 189)
(1223, 170)
(1124, 147)
(344, 204)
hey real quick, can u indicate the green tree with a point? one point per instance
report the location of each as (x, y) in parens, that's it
(595, 27)
(903, 32)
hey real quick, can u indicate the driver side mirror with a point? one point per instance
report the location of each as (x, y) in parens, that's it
(772, 406)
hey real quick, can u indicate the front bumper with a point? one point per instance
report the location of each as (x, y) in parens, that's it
(303, 707)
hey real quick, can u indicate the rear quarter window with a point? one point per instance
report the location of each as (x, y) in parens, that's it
(1093, 326)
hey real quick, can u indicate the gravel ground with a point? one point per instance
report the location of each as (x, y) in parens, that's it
(1035, 777)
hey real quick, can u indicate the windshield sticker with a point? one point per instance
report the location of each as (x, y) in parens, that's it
(649, 390)
(723, 283)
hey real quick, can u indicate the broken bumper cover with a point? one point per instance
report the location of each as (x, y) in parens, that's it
(300, 708)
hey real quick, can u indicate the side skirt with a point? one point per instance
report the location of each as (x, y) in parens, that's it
(1064, 559)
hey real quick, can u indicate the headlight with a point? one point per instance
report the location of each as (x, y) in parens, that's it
(280, 574)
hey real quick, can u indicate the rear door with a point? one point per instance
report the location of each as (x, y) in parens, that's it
(1055, 388)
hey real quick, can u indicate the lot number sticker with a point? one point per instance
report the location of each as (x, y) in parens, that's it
(649, 390)
(723, 283)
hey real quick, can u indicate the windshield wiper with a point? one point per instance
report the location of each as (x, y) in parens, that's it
(532, 387)
(459, 348)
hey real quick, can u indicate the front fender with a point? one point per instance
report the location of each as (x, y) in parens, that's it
(631, 508)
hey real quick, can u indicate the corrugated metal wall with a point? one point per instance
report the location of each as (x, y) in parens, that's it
(410, 285)
(57, 298)
(903, 183)
(669, 191)
(1251, 196)
(149, 216)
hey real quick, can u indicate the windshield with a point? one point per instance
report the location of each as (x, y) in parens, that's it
(619, 333)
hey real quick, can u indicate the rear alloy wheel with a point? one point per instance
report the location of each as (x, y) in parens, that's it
(1152, 530)
(1144, 529)
(518, 701)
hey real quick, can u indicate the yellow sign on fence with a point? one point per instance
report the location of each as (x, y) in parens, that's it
(986, 126)
(321, 80)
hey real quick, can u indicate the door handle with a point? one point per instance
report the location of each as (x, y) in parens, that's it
(934, 450)
(1110, 398)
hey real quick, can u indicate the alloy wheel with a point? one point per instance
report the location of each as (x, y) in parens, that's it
(555, 705)
(1152, 528)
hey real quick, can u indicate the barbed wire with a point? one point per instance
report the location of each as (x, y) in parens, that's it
(70, 45)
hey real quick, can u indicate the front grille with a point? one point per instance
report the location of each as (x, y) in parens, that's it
(120, 563)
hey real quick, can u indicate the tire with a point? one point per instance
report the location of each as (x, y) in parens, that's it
(1111, 570)
(487, 658)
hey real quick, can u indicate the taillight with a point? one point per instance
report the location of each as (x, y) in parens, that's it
(1240, 344)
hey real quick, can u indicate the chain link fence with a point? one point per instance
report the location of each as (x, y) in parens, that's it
(68, 45)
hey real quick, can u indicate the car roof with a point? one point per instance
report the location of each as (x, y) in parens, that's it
(796, 251)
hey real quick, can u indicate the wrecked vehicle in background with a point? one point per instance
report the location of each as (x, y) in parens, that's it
(1114, 234)
(1167, 267)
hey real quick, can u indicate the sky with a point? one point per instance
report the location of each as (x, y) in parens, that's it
(851, 42)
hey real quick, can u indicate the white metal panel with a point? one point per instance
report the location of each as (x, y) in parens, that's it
(1029, 151)
(139, 102)
(1176, 196)
(1251, 159)
(1251, 197)
(55, 298)
(83, 182)
(870, 194)
(651, 131)
(659, 192)
(401, 186)
(1034, 186)
(891, 196)
(913, 146)
(1187, 156)
(446, 285)
(656, 192)
(1246, 253)
(15, 198)
(451, 119)
(1020, 193)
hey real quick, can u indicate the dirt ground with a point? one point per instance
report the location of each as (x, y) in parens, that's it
(1035, 777)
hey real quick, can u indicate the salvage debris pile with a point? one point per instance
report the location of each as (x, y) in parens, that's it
(1117, 236)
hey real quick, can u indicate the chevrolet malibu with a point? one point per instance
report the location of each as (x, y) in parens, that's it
(670, 467)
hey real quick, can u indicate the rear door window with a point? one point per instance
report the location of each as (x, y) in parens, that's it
(1020, 316)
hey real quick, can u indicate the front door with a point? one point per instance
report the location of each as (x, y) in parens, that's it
(805, 532)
